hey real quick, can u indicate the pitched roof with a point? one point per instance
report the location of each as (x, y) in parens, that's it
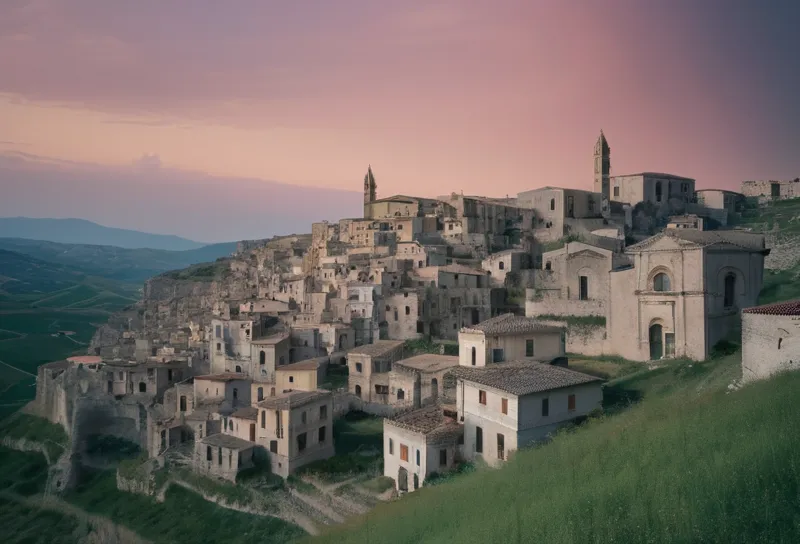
(269, 340)
(292, 399)
(791, 307)
(428, 420)
(308, 364)
(748, 241)
(227, 441)
(247, 412)
(653, 175)
(376, 349)
(224, 377)
(523, 377)
(509, 324)
(429, 362)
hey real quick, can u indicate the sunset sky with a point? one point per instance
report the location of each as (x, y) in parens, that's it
(115, 104)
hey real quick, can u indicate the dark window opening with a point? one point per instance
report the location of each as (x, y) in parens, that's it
(478, 440)
(545, 407)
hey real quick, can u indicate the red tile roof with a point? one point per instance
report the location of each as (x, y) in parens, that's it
(791, 307)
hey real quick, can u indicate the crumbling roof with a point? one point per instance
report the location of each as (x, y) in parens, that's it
(247, 412)
(461, 269)
(222, 440)
(510, 324)
(429, 362)
(56, 365)
(269, 340)
(791, 307)
(744, 240)
(224, 377)
(429, 420)
(523, 377)
(292, 399)
(376, 349)
(308, 364)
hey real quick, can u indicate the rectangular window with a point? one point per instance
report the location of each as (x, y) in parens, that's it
(482, 397)
(218, 331)
(529, 347)
(323, 413)
(504, 406)
(391, 447)
(301, 442)
(498, 355)
(545, 407)
(583, 288)
(403, 452)
(442, 458)
(501, 446)
(263, 419)
(321, 435)
(359, 368)
(303, 417)
(616, 191)
(273, 446)
(571, 403)
(478, 440)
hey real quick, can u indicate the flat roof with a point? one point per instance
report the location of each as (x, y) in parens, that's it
(308, 364)
(429, 362)
(292, 399)
(224, 377)
(269, 340)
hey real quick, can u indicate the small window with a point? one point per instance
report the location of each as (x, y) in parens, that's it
(482, 397)
(323, 413)
(504, 406)
(501, 265)
(291, 379)
(545, 407)
(418, 458)
(142, 387)
(219, 346)
(260, 393)
(403, 452)
(359, 367)
(321, 435)
(529, 347)
(442, 458)
(498, 355)
(408, 310)
(391, 447)
(273, 446)
(301, 442)
(478, 440)
(661, 282)
(501, 446)
(474, 355)
(571, 403)
(401, 395)
(219, 456)
(303, 417)
(263, 419)
(616, 191)
(552, 204)
(730, 290)
(150, 372)
(209, 456)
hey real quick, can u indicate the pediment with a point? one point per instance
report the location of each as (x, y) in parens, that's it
(586, 253)
(663, 243)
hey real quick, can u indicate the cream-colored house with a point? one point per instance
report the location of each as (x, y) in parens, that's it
(267, 354)
(508, 406)
(369, 367)
(556, 208)
(296, 428)
(419, 443)
(419, 379)
(770, 340)
(508, 337)
(229, 344)
(305, 375)
(683, 293)
(241, 423)
(229, 391)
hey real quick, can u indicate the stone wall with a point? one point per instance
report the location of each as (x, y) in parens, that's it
(559, 306)
(770, 344)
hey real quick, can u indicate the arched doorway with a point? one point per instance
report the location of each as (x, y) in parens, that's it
(358, 391)
(656, 341)
(238, 369)
(434, 388)
(402, 479)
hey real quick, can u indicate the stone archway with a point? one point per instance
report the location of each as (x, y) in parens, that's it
(402, 479)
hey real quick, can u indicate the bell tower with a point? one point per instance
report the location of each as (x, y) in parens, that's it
(602, 173)
(370, 190)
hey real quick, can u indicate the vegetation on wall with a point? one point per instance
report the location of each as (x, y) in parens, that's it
(576, 321)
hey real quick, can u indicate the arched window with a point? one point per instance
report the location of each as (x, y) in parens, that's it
(358, 391)
(142, 387)
(401, 395)
(730, 290)
(658, 191)
(260, 393)
(183, 402)
(661, 282)
(208, 453)
(474, 355)
(552, 203)
(238, 369)
(262, 357)
(501, 265)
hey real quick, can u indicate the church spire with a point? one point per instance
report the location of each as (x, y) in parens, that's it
(602, 173)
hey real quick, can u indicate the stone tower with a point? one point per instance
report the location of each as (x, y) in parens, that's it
(602, 173)
(370, 190)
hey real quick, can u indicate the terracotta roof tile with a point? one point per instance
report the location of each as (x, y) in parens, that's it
(508, 324)
(791, 307)
(523, 377)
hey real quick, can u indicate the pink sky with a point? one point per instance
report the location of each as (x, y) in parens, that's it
(485, 96)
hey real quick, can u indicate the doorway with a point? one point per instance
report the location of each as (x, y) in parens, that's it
(402, 479)
(252, 432)
(656, 342)
(571, 206)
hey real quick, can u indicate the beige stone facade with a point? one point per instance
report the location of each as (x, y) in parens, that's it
(770, 340)
(369, 368)
(508, 337)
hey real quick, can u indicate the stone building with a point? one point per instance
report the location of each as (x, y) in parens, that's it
(720, 199)
(223, 455)
(228, 391)
(507, 406)
(369, 368)
(419, 443)
(656, 188)
(508, 337)
(770, 340)
(297, 429)
(267, 355)
(305, 375)
(772, 189)
(230, 344)
(499, 264)
(419, 379)
(683, 293)
(558, 211)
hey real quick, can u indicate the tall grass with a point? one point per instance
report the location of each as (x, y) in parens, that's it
(692, 464)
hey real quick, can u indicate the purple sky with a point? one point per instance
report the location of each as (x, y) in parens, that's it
(181, 116)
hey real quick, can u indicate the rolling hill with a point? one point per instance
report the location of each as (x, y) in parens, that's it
(80, 231)
(123, 264)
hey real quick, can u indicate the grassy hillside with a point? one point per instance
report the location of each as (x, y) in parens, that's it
(80, 231)
(116, 263)
(48, 311)
(687, 462)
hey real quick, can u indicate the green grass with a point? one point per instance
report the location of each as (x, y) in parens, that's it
(780, 285)
(20, 524)
(183, 517)
(111, 448)
(690, 464)
(24, 473)
(37, 429)
(378, 484)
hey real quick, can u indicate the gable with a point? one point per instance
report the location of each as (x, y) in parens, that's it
(586, 253)
(662, 243)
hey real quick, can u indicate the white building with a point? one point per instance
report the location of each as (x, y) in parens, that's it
(508, 337)
(511, 405)
(770, 340)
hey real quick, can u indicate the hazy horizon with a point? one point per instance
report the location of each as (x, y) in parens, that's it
(181, 111)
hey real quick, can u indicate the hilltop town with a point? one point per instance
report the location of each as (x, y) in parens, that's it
(452, 318)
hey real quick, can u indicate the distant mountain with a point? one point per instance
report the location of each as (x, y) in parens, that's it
(115, 263)
(80, 231)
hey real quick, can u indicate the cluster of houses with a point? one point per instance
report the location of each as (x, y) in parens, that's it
(634, 268)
